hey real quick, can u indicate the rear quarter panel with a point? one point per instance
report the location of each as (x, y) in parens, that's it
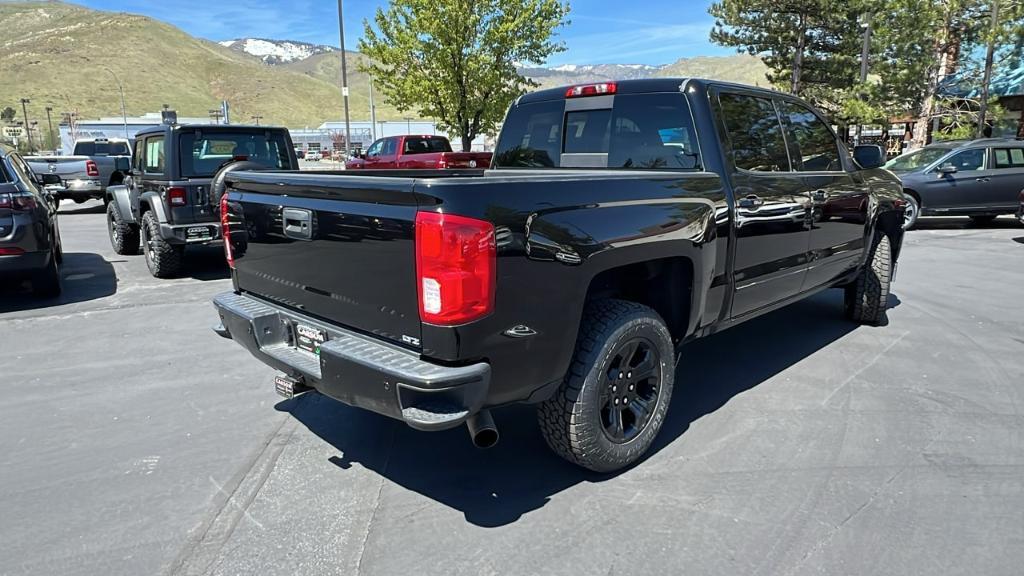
(555, 234)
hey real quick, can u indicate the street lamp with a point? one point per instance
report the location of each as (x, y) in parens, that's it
(344, 81)
(49, 122)
(865, 52)
(124, 113)
(28, 128)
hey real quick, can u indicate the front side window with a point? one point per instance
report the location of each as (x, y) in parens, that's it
(155, 155)
(374, 149)
(1008, 158)
(138, 156)
(815, 145)
(967, 161)
(755, 133)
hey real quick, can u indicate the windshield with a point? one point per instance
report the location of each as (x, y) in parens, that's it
(640, 131)
(916, 160)
(203, 154)
(426, 145)
(101, 149)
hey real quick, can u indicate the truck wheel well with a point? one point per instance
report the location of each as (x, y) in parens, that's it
(116, 179)
(664, 285)
(916, 196)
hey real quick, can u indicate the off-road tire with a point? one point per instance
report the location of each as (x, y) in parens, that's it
(867, 298)
(164, 260)
(124, 237)
(47, 282)
(571, 420)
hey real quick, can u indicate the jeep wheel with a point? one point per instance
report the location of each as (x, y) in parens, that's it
(47, 282)
(124, 237)
(163, 259)
(867, 298)
(613, 401)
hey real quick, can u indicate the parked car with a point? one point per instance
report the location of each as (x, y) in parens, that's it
(314, 156)
(170, 198)
(416, 152)
(621, 221)
(30, 245)
(95, 165)
(977, 178)
(300, 154)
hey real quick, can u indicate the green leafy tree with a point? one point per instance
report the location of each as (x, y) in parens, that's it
(811, 46)
(7, 115)
(455, 60)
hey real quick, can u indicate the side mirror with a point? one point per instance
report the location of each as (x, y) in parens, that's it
(48, 179)
(869, 156)
(946, 169)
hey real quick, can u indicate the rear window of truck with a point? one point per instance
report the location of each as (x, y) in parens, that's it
(203, 153)
(639, 132)
(415, 146)
(101, 149)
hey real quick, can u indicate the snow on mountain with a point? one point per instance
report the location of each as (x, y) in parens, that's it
(277, 51)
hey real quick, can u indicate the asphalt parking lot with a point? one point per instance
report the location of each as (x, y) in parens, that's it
(135, 441)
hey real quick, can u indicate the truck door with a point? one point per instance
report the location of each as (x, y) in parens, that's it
(771, 211)
(839, 197)
(389, 154)
(372, 159)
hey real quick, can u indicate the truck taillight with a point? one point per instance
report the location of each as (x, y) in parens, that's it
(176, 196)
(455, 268)
(91, 169)
(225, 231)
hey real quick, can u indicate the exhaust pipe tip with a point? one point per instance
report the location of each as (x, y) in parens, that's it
(482, 430)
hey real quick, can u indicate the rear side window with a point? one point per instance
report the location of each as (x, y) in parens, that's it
(640, 131)
(155, 155)
(755, 133)
(390, 147)
(813, 143)
(1008, 158)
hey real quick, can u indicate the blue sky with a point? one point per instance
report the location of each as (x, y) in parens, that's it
(663, 32)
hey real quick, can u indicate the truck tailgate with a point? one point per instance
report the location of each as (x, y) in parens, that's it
(337, 248)
(67, 167)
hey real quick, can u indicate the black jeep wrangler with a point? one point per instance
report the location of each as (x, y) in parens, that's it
(170, 198)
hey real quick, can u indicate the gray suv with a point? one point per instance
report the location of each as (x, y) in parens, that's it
(978, 178)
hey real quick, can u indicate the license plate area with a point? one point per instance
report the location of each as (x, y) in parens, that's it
(308, 338)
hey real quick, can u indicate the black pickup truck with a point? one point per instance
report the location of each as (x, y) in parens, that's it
(621, 221)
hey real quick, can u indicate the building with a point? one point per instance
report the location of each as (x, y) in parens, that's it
(327, 136)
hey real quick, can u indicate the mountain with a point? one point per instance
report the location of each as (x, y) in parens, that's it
(277, 51)
(57, 55)
(66, 57)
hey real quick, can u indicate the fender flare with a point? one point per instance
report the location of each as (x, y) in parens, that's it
(121, 197)
(153, 202)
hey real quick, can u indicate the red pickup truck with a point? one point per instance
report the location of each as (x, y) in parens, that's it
(416, 152)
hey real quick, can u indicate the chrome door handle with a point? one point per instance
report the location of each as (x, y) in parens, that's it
(982, 179)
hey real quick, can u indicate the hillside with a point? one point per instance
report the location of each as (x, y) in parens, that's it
(54, 54)
(741, 68)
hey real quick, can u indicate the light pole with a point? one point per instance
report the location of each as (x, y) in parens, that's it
(216, 114)
(373, 113)
(49, 122)
(124, 112)
(257, 118)
(344, 81)
(865, 52)
(28, 127)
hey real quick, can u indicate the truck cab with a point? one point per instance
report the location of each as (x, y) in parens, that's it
(169, 200)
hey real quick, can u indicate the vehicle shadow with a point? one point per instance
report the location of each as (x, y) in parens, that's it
(206, 263)
(86, 277)
(964, 223)
(69, 208)
(498, 486)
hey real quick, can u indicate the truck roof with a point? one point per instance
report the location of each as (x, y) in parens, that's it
(638, 87)
(206, 127)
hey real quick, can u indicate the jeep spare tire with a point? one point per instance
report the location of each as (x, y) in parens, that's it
(219, 184)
